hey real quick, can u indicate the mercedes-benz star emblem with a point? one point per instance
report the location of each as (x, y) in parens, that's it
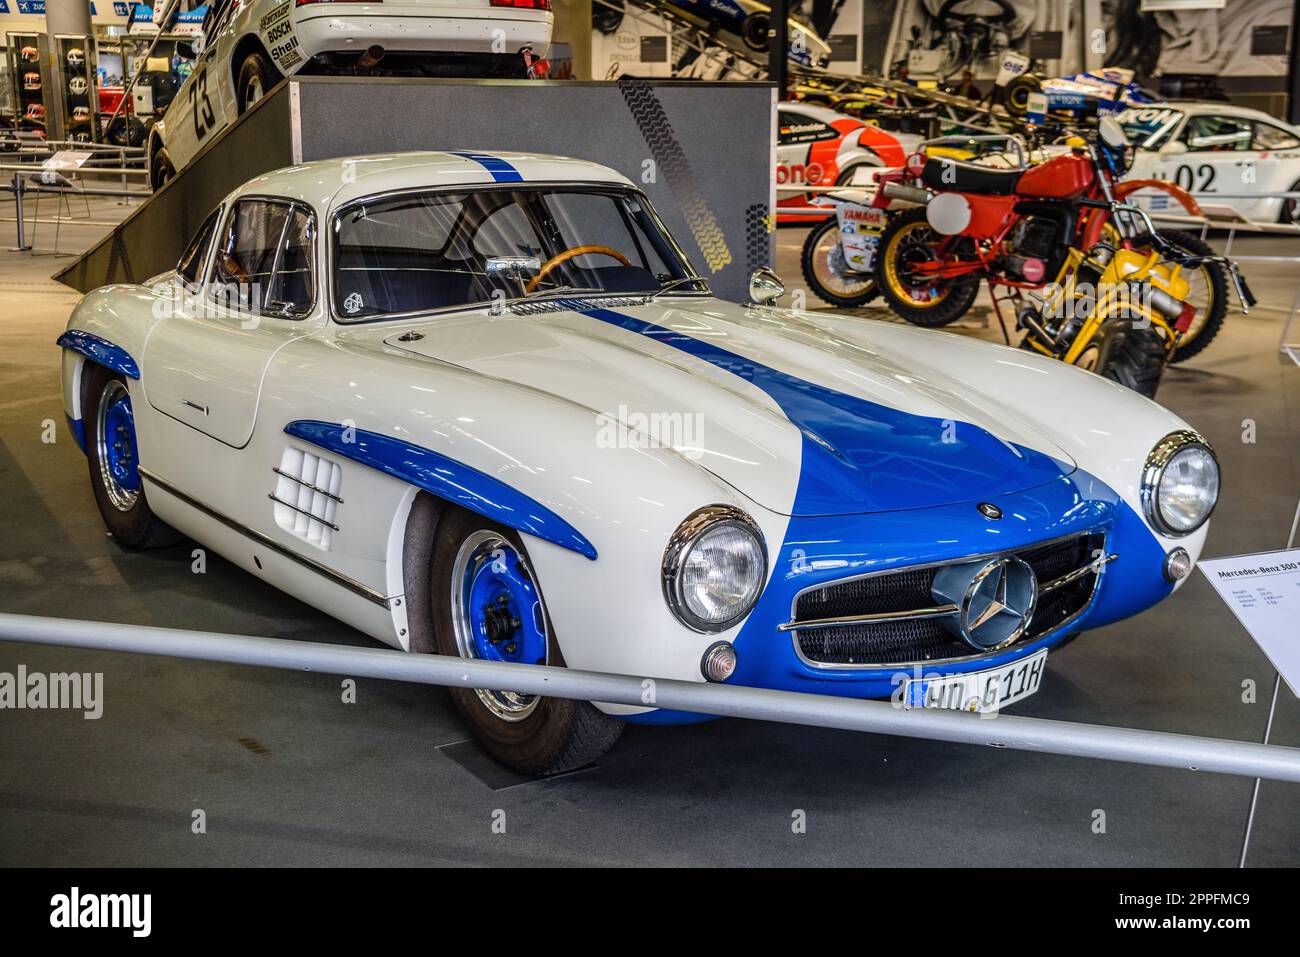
(994, 600)
(989, 510)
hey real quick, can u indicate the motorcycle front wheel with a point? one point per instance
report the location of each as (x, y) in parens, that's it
(908, 240)
(1128, 352)
(827, 273)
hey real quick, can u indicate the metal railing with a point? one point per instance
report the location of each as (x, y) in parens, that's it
(1158, 748)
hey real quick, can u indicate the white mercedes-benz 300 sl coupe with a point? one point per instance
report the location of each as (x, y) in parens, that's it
(481, 405)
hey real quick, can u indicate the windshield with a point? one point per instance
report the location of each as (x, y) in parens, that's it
(419, 252)
(1148, 128)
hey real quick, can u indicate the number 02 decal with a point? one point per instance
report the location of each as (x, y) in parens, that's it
(1186, 178)
(201, 106)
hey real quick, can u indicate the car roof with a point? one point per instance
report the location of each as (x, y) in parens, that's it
(331, 183)
(1203, 107)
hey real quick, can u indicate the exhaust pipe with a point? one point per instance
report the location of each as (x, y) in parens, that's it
(370, 59)
(908, 194)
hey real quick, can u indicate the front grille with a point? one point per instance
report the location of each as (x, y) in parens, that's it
(926, 639)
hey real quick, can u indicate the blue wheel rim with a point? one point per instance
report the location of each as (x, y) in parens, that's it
(119, 459)
(498, 614)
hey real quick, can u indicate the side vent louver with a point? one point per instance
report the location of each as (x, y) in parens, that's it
(306, 496)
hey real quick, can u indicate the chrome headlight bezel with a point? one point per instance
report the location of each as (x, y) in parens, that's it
(1153, 473)
(679, 547)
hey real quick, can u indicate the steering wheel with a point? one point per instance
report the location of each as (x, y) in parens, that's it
(570, 253)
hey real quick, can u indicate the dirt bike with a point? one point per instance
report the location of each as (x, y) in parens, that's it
(1015, 228)
(1119, 311)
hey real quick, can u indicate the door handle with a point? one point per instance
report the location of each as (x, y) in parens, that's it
(195, 406)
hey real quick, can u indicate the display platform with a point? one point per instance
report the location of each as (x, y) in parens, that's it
(668, 136)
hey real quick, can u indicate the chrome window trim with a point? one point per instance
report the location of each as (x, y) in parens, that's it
(490, 306)
(1154, 469)
(1099, 563)
(680, 542)
(209, 276)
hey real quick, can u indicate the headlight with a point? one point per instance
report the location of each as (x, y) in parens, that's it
(714, 568)
(1180, 483)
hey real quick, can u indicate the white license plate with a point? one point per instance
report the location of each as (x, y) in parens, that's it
(978, 691)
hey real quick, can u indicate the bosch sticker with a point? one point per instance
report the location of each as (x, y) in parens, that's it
(276, 29)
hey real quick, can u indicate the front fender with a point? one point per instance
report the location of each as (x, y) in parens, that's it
(1127, 187)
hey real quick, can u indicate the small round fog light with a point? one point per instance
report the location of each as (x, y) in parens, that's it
(719, 661)
(1178, 565)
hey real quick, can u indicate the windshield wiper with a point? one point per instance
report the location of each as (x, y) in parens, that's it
(670, 286)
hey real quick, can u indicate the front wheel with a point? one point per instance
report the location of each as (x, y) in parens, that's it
(1129, 353)
(114, 461)
(907, 241)
(487, 604)
(160, 170)
(256, 77)
(754, 31)
(827, 273)
(1290, 212)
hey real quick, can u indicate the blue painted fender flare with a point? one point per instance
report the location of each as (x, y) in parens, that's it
(100, 350)
(445, 478)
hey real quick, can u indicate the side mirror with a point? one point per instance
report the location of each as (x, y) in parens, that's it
(765, 286)
(1176, 148)
(1111, 133)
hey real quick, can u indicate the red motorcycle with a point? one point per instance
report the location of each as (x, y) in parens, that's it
(1015, 228)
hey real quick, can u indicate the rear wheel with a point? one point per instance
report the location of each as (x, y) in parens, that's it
(256, 77)
(1017, 92)
(114, 461)
(827, 273)
(924, 301)
(487, 604)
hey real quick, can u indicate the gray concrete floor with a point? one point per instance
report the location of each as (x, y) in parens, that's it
(289, 775)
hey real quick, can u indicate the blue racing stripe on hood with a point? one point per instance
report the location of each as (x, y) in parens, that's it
(502, 172)
(861, 456)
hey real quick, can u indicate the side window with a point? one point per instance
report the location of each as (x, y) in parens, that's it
(292, 292)
(190, 267)
(265, 261)
(1270, 137)
(1218, 134)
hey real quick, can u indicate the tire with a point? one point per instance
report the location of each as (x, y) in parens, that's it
(256, 77)
(1015, 96)
(531, 734)
(160, 170)
(114, 476)
(754, 31)
(810, 259)
(930, 307)
(1290, 211)
(1134, 357)
(126, 131)
(1210, 287)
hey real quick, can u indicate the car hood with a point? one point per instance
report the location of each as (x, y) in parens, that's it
(776, 403)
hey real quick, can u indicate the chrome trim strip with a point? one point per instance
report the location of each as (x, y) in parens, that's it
(1093, 566)
(351, 584)
(302, 511)
(305, 484)
(939, 611)
(961, 659)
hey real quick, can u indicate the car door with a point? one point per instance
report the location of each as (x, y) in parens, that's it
(1278, 171)
(204, 362)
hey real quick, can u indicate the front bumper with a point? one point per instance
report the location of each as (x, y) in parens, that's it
(404, 28)
(828, 549)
